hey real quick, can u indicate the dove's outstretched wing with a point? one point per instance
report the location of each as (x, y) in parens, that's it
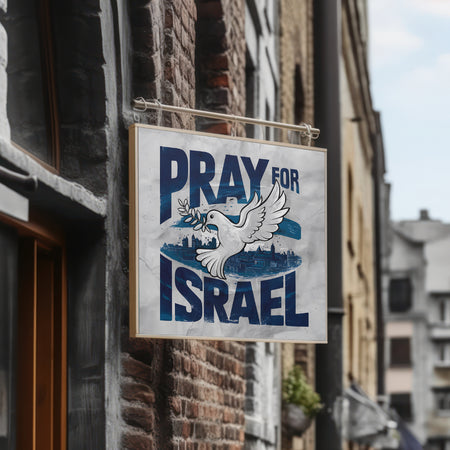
(259, 219)
(214, 260)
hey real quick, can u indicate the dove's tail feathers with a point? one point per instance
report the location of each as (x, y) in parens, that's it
(214, 260)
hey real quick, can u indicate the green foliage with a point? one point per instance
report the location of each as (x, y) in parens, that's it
(296, 390)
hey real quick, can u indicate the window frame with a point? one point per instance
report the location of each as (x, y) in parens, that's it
(49, 91)
(395, 342)
(40, 235)
(406, 303)
(409, 405)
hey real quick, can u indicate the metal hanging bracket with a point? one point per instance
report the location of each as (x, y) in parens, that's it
(141, 105)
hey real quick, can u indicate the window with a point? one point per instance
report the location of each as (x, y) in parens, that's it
(8, 352)
(402, 404)
(36, 412)
(31, 103)
(442, 352)
(400, 351)
(442, 399)
(443, 310)
(400, 295)
(438, 444)
(41, 397)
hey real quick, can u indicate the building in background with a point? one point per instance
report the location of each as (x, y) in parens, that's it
(351, 131)
(416, 293)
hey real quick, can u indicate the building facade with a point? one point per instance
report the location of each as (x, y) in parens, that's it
(71, 377)
(417, 332)
(350, 130)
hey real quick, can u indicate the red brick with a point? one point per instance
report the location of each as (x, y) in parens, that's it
(192, 409)
(175, 403)
(186, 364)
(136, 442)
(137, 392)
(217, 62)
(210, 10)
(186, 430)
(139, 417)
(218, 80)
(228, 415)
(168, 22)
(136, 369)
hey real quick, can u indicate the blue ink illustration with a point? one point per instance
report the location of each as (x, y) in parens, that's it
(258, 221)
(246, 264)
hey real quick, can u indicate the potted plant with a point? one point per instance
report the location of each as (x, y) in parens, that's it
(300, 402)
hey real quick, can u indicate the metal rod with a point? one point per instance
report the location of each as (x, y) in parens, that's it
(306, 130)
(29, 182)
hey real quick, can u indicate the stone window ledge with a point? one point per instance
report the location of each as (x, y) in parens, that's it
(63, 197)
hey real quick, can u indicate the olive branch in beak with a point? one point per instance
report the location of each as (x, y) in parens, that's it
(192, 216)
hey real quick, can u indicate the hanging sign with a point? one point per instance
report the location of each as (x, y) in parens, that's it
(227, 237)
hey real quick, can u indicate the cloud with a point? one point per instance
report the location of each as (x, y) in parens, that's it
(433, 7)
(390, 44)
(390, 37)
(428, 86)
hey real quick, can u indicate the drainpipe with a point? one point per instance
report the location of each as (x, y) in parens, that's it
(380, 236)
(329, 366)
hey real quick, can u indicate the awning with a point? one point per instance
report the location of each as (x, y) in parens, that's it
(364, 421)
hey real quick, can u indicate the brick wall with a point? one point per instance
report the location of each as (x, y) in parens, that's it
(184, 394)
(297, 49)
(220, 57)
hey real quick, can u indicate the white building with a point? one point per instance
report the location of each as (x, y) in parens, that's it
(417, 313)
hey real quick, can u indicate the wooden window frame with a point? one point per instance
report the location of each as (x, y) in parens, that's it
(40, 237)
(50, 99)
(48, 75)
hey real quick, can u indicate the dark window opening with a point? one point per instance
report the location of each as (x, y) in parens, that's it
(400, 292)
(400, 352)
(438, 444)
(402, 404)
(32, 101)
(442, 310)
(250, 94)
(442, 399)
(299, 102)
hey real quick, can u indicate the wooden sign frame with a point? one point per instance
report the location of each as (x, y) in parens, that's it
(135, 228)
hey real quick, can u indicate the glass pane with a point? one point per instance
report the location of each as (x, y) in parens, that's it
(27, 108)
(8, 318)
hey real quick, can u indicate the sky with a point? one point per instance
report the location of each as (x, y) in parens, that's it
(409, 59)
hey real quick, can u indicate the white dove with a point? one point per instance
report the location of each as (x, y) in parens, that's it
(258, 221)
